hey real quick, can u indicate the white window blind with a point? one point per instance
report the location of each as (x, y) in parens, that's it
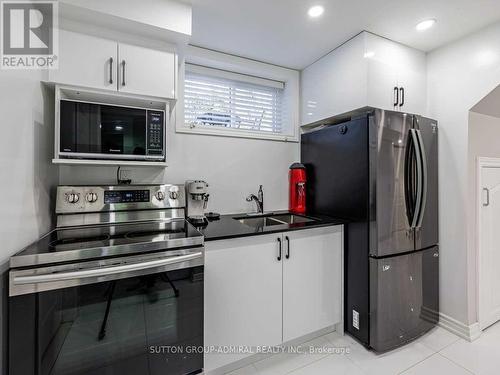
(222, 100)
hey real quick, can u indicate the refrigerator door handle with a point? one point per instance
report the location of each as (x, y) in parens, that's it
(423, 161)
(409, 180)
(418, 158)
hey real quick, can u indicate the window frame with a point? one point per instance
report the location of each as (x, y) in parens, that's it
(245, 70)
(241, 82)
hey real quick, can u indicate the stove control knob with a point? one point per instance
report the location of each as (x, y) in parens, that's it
(72, 197)
(174, 192)
(160, 195)
(91, 197)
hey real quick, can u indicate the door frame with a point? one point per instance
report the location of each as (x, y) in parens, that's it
(482, 163)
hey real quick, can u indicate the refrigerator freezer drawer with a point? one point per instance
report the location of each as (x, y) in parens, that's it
(404, 297)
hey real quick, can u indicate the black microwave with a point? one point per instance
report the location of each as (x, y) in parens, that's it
(100, 131)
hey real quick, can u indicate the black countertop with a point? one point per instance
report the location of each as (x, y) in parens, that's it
(228, 227)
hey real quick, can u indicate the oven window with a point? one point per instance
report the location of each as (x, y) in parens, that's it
(102, 129)
(140, 325)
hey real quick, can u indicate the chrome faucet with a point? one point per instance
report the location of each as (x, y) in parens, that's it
(259, 200)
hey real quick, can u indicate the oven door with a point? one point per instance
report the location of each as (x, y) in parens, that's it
(98, 131)
(131, 315)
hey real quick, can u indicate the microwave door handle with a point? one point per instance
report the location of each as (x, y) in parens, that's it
(104, 271)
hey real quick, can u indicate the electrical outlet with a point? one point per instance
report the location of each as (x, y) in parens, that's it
(125, 174)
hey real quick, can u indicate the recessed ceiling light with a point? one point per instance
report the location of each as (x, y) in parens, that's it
(425, 25)
(315, 11)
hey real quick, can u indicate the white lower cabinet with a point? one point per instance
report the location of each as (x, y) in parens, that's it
(257, 295)
(312, 282)
(243, 279)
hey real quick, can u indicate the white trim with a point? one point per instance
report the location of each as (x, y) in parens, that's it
(234, 133)
(254, 358)
(488, 162)
(482, 162)
(131, 163)
(99, 96)
(246, 67)
(225, 74)
(467, 332)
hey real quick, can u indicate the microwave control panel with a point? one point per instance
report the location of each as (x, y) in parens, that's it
(155, 132)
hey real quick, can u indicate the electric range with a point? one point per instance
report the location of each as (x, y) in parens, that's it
(116, 288)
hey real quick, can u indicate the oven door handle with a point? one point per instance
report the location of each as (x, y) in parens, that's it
(104, 271)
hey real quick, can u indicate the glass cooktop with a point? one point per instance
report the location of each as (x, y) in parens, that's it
(74, 243)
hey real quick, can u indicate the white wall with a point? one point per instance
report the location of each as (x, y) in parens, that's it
(484, 141)
(25, 154)
(233, 167)
(27, 175)
(459, 75)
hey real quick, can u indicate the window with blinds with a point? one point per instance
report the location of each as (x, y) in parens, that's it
(234, 102)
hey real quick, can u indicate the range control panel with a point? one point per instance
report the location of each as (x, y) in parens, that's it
(82, 199)
(126, 196)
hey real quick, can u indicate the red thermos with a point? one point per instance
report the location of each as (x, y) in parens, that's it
(297, 195)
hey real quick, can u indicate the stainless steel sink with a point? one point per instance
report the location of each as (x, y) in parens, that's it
(273, 219)
(259, 221)
(292, 219)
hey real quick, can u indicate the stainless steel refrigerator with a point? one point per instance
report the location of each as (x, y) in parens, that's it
(379, 170)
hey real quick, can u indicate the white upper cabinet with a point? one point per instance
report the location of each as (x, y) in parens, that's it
(334, 84)
(312, 281)
(86, 61)
(368, 70)
(93, 62)
(143, 70)
(396, 75)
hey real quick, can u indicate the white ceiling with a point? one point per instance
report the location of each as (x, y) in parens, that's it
(280, 32)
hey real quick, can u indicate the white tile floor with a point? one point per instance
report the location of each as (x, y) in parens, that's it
(437, 353)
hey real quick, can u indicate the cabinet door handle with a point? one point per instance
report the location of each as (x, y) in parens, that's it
(402, 90)
(487, 191)
(123, 73)
(396, 96)
(110, 71)
(287, 256)
(279, 249)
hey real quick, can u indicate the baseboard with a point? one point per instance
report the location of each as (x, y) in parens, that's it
(339, 327)
(467, 332)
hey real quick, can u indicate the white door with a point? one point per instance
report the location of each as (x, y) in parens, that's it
(243, 297)
(312, 280)
(86, 61)
(145, 71)
(489, 247)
